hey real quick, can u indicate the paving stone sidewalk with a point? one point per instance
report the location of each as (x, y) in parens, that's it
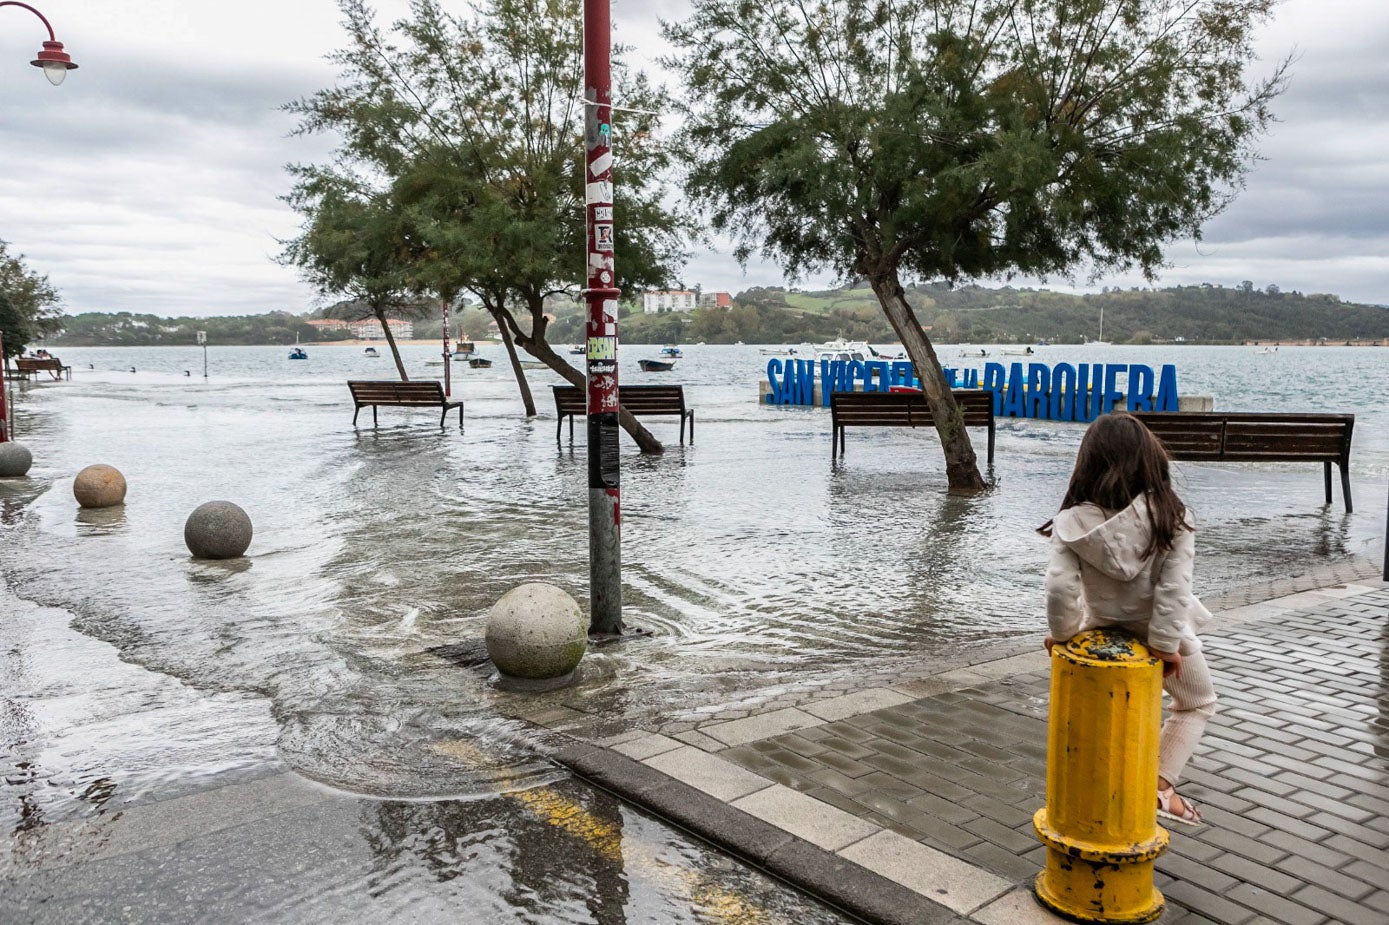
(933, 782)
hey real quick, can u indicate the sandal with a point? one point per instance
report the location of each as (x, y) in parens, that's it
(1189, 814)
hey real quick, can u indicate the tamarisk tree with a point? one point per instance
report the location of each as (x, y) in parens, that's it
(473, 125)
(957, 139)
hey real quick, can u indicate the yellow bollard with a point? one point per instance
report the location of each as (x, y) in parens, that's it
(1100, 822)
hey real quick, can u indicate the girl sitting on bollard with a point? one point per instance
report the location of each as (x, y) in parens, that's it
(1122, 550)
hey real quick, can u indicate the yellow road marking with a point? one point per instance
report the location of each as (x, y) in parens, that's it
(606, 840)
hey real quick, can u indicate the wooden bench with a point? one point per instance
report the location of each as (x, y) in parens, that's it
(32, 366)
(426, 394)
(641, 400)
(904, 409)
(1235, 437)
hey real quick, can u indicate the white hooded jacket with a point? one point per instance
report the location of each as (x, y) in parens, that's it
(1098, 577)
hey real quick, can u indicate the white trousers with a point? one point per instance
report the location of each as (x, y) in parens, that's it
(1192, 706)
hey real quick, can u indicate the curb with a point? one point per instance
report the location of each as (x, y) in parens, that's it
(819, 873)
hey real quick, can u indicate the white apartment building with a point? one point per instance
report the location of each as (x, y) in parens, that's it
(370, 329)
(668, 300)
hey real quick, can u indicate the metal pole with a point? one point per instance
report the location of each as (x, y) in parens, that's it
(448, 382)
(604, 486)
(4, 405)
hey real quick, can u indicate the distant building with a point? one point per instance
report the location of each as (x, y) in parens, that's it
(715, 300)
(370, 329)
(668, 300)
(325, 324)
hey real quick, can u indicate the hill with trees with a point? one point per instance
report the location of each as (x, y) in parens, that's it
(1204, 314)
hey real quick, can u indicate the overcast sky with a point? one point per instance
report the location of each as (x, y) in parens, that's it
(149, 181)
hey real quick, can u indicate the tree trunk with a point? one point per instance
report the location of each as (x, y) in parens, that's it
(521, 383)
(390, 340)
(542, 351)
(961, 467)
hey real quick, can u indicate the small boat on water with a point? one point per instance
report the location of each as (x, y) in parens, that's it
(671, 352)
(578, 350)
(371, 352)
(778, 351)
(463, 350)
(298, 354)
(981, 352)
(1017, 352)
(656, 366)
(480, 363)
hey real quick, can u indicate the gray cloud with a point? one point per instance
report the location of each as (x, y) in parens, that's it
(150, 181)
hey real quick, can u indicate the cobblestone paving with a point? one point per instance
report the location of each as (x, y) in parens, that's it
(1293, 774)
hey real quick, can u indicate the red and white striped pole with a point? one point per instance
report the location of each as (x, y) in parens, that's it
(601, 293)
(447, 359)
(4, 404)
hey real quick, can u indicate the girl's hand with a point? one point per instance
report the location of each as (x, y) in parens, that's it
(1171, 662)
(1049, 642)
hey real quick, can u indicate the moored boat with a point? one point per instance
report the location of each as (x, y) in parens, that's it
(656, 366)
(480, 363)
(371, 352)
(298, 354)
(671, 352)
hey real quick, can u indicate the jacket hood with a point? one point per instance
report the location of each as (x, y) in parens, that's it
(1112, 544)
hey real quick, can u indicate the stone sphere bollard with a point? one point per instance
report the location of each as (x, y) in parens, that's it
(99, 486)
(217, 530)
(15, 460)
(536, 634)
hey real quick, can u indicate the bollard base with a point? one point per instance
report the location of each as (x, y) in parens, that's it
(1066, 909)
(1089, 882)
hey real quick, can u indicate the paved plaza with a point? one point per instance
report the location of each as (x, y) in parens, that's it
(926, 785)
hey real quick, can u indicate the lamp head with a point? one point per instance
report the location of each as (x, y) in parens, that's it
(55, 62)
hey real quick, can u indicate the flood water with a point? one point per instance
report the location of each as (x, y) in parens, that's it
(142, 674)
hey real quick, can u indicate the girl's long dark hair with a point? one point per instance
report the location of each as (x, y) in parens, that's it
(1119, 460)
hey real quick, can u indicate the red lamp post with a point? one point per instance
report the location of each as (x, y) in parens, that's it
(55, 62)
(601, 292)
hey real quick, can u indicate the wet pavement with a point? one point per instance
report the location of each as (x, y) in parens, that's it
(937, 792)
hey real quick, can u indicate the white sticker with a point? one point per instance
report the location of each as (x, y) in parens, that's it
(603, 237)
(599, 192)
(601, 164)
(602, 213)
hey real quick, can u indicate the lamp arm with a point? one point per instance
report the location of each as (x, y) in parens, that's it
(47, 25)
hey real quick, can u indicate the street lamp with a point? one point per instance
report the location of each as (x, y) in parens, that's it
(55, 62)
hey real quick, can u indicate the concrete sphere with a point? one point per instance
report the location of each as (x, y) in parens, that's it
(217, 530)
(15, 460)
(536, 632)
(99, 486)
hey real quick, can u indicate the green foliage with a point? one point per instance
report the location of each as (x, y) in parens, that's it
(940, 139)
(470, 130)
(964, 314)
(28, 304)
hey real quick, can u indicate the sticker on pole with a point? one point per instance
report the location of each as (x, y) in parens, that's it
(599, 192)
(602, 213)
(602, 348)
(603, 237)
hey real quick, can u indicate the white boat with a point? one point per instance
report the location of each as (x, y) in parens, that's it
(1017, 352)
(670, 352)
(981, 352)
(841, 349)
(578, 350)
(1266, 351)
(371, 352)
(464, 350)
(779, 351)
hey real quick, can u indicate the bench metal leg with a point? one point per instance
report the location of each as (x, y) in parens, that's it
(356, 411)
(1326, 473)
(559, 430)
(373, 416)
(692, 427)
(1345, 485)
(460, 415)
(991, 446)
